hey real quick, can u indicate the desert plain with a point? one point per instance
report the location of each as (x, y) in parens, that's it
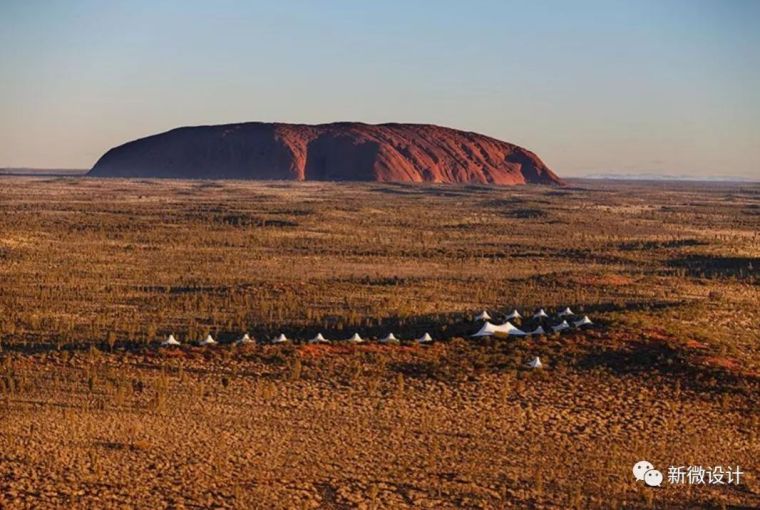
(95, 273)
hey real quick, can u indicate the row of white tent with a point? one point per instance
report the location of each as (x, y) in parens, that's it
(246, 339)
(281, 338)
(540, 314)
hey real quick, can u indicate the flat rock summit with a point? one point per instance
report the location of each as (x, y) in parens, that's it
(343, 151)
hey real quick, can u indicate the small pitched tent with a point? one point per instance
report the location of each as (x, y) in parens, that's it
(541, 314)
(390, 339)
(538, 331)
(505, 329)
(585, 321)
(425, 339)
(209, 340)
(170, 341)
(514, 315)
(535, 363)
(483, 316)
(356, 339)
(319, 339)
(566, 312)
(562, 326)
(280, 339)
(245, 339)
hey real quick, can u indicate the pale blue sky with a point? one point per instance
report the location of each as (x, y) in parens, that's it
(592, 86)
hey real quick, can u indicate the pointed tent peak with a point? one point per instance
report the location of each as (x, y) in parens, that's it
(540, 314)
(425, 338)
(483, 316)
(567, 311)
(209, 340)
(585, 321)
(319, 339)
(514, 315)
(535, 363)
(562, 326)
(391, 338)
(356, 339)
(245, 339)
(538, 331)
(279, 339)
(170, 341)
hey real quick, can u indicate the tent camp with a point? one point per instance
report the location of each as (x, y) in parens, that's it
(170, 341)
(319, 339)
(245, 339)
(506, 329)
(585, 321)
(390, 339)
(356, 339)
(514, 315)
(535, 363)
(483, 316)
(209, 340)
(424, 339)
(280, 339)
(562, 326)
(566, 312)
(538, 331)
(541, 314)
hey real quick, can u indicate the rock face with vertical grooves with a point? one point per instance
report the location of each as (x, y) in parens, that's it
(343, 151)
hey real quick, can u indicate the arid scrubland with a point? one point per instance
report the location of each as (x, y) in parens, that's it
(94, 273)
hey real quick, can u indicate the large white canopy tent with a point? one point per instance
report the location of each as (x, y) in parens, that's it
(483, 316)
(490, 329)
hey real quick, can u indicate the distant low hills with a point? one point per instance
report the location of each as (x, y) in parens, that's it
(344, 151)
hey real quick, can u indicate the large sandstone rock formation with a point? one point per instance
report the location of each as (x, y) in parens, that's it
(345, 151)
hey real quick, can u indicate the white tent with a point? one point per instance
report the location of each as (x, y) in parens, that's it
(507, 328)
(390, 339)
(171, 341)
(562, 326)
(483, 316)
(585, 321)
(541, 314)
(424, 339)
(209, 340)
(514, 315)
(245, 339)
(535, 363)
(280, 339)
(319, 339)
(356, 339)
(566, 312)
(538, 331)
